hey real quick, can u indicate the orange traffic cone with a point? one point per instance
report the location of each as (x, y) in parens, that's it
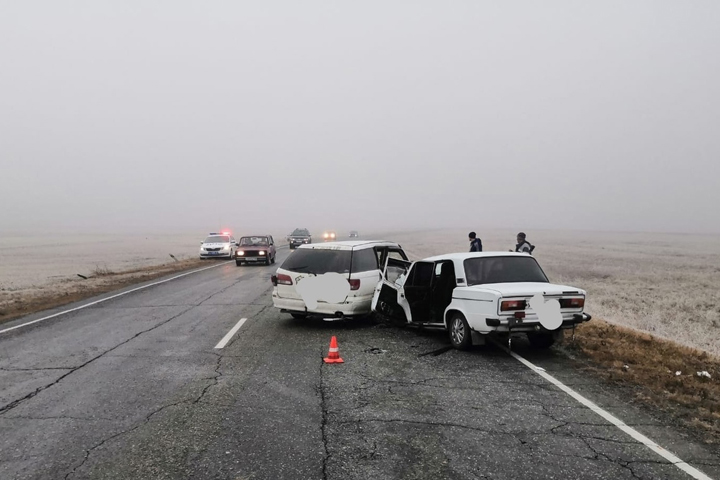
(334, 353)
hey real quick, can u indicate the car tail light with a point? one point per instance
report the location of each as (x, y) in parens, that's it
(512, 305)
(354, 284)
(283, 279)
(572, 302)
(520, 315)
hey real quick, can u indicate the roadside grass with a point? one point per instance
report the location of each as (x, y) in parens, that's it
(16, 304)
(629, 357)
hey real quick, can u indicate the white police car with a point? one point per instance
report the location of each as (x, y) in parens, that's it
(218, 245)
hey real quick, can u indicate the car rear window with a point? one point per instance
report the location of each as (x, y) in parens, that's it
(318, 261)
(503, 270)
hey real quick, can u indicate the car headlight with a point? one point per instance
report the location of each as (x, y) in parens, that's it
(262, 253)
(240, 252)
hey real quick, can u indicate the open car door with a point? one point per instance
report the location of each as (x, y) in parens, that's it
(388, 298)
(416, 291)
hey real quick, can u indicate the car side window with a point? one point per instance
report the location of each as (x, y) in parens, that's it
(364, 260)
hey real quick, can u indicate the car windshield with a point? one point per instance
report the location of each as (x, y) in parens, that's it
(254, 241)
(318, 261)
(217, 239)
(503, 270)
(300, 232)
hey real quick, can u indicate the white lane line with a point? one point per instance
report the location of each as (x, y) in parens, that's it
(230, 334)
(108, 298)
(692, 471)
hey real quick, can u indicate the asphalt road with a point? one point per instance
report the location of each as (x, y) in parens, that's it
(134, 388)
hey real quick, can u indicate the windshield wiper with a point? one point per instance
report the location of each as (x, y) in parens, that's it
(297, 269)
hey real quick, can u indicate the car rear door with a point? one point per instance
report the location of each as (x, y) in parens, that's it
(417, 290)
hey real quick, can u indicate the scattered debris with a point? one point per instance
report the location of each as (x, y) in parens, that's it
(626, 367)
(173, 256)
(82, 276)
(678, 373)
(704, 374)
(375, 350)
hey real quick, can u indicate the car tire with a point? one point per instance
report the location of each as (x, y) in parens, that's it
(238, 263)
(299, 316)
(459, 332)
(541, 340)
(273, 259)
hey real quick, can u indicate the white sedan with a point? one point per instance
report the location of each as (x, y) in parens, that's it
(472, 295)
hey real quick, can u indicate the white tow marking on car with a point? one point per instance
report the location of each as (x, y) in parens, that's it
(679, 463)
(230, 334)
(108, 298)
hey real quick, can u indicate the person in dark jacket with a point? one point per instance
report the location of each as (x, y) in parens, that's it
(475, 243)
(523, 245)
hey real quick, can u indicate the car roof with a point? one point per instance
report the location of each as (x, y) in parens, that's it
(465, 255)
(262, 235)
(349, 245)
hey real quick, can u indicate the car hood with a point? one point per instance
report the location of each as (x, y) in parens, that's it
(528, 289)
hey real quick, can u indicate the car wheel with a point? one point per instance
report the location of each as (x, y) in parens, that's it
(299, 316)
(273, 259)
(238, 263)
(541, 340)
(459, 331)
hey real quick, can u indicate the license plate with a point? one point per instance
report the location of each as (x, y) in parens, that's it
(213, 253)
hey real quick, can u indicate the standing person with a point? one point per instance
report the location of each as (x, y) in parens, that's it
(523, 246)
(475, 243)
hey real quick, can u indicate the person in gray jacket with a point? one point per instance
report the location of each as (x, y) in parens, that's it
(523, 246)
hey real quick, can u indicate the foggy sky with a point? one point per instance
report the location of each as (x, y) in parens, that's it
(370, 115)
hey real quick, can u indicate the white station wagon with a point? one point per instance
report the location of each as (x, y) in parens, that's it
(332, 280)
(472, 295)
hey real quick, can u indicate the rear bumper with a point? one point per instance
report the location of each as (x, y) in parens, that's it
(354, 306)
(517, 325)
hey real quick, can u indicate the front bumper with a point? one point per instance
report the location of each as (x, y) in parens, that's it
(518, 325)
(259, 258)
(216, 254)
(353, 306)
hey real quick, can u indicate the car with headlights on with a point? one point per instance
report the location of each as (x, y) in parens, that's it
(298, 237)
(329, 236)
(218, 245)
(474, 295)
(255, 249)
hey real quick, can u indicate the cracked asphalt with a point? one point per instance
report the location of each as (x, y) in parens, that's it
(133, 388)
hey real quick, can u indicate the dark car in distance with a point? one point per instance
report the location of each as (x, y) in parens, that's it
(255, 249)
(299, 236)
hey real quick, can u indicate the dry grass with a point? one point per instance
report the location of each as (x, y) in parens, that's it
(624, 355)
(18, 303)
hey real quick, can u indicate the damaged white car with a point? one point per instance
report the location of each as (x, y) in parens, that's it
(473, 295)
(333, 280)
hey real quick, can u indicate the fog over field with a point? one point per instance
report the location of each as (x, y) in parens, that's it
(127, 117)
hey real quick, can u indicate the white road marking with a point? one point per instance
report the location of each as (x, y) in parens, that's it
(108, 298)
(230, 334)
(692, 471)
